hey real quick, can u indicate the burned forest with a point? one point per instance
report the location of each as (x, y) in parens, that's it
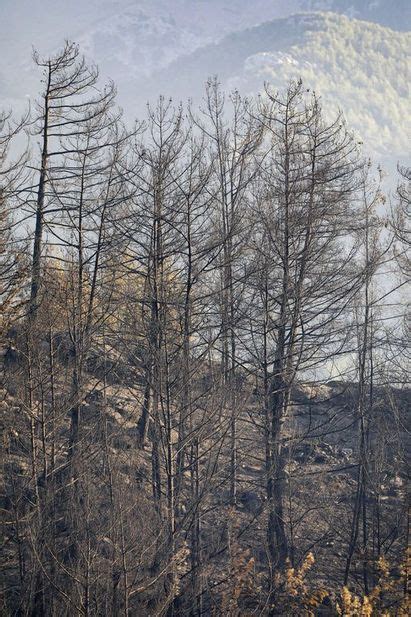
(203, 356)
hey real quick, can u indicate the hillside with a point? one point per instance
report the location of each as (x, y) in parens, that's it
(321, 470)
(149, 49)
(357, 66)
(132, 42)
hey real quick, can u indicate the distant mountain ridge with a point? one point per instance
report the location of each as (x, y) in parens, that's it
(358, 66)
(149, 47)
(136, 38)
(395, 14)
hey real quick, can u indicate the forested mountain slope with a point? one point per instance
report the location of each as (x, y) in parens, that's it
(133, 42)
(357, 66)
